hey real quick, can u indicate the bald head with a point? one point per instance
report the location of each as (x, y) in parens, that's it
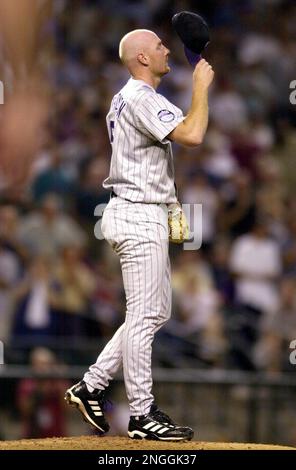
(134, 43)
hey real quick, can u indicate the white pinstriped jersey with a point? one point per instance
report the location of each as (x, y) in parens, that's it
(142, 168)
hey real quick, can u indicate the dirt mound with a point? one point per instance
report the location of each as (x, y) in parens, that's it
(123, 443)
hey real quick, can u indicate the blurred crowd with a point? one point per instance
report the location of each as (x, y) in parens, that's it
(235, 298)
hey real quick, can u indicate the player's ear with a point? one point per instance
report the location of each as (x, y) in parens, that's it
(143, 59)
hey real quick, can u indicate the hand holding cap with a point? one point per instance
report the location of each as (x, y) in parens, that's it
(194, 32)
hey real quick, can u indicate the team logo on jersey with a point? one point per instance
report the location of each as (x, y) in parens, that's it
(165, 115)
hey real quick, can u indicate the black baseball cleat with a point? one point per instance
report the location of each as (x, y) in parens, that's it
(157, 426)
(90, 405)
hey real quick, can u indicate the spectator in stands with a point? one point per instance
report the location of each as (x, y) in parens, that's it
(238, 209)
(45, 232)
(53, 179)
(199, 191)
(74, 285)
(9, 228)
(9, 275)
(273, 349)
(40, 399)
(255, 261)
(33, 298)
(197, 324)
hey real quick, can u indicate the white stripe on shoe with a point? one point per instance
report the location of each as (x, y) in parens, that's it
(149, 425)
(155, 428)
(161, 431)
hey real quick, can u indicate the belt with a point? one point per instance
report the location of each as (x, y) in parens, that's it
(113, 194)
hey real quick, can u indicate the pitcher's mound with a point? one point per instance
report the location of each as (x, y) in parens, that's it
(123, 443)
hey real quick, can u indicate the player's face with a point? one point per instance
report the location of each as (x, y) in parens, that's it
(159, 55)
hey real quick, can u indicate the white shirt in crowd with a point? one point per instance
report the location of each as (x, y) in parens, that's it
(256, 261)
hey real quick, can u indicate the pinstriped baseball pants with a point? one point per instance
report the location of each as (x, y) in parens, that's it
(138, 233)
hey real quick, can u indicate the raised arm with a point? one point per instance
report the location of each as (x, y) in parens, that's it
(191, 131)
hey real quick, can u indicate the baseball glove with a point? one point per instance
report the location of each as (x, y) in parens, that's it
(178, 225)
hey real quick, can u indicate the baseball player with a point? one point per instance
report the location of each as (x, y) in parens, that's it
(141, 125)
